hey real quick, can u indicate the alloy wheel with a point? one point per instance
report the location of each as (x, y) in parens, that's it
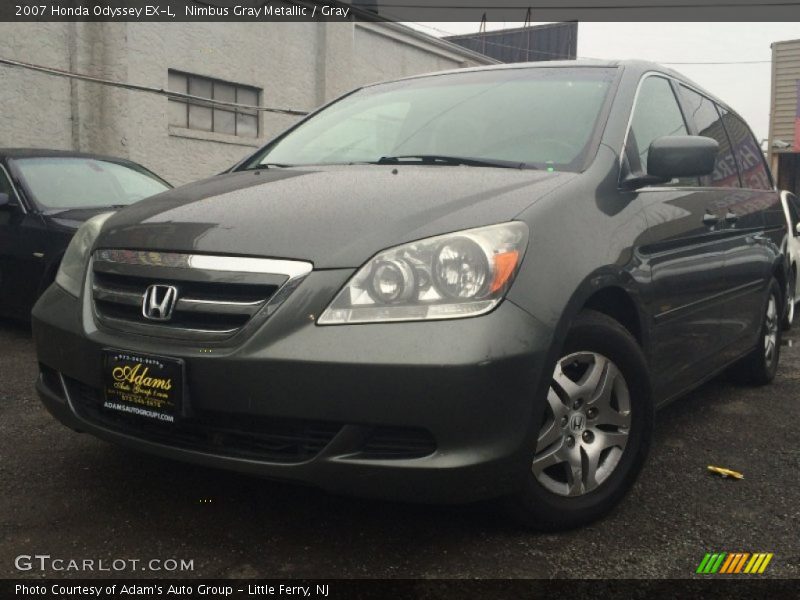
(790, 301)
(586, 426)
(771, 329)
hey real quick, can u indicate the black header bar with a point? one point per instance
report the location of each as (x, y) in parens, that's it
(276, 11)
(406, 589)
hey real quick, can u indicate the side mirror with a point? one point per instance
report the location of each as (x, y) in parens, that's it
(681, 156)
(797, 229)
(5, 199)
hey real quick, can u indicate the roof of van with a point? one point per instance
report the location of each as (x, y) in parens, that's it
(640, 66)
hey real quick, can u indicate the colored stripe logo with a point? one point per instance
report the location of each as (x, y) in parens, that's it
(734, 563)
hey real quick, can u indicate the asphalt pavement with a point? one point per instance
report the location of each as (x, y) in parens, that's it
(72, 496)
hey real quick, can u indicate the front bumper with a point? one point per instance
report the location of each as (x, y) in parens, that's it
(468, 384)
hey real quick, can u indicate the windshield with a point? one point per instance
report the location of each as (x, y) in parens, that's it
(542, 117)
(71, 182)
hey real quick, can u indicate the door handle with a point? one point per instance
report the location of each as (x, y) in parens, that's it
(710, 219)
(757, 238)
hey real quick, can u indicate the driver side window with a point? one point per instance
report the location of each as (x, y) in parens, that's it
(655, 115)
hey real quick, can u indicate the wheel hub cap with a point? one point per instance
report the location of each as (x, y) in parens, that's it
(586, 426)
(577, 422)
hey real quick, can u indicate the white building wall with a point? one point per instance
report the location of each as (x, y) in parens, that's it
(785, 75)
(35, 108)
(297, 65)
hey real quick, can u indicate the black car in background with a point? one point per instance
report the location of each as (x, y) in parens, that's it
(45, 195)
(451, 287)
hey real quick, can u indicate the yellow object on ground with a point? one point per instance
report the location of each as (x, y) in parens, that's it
(725, 472)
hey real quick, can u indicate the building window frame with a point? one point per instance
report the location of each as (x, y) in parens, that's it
(210, 116)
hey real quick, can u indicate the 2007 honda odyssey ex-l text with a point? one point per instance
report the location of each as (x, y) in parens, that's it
(459, 286)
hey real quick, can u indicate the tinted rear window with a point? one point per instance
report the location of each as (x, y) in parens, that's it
(747, 152)
(709, 124)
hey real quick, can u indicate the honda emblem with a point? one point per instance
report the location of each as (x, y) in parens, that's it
(159, 302)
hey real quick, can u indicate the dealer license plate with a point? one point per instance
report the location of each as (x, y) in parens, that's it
(146, 386)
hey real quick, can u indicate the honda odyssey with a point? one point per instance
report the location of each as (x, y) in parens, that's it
(452, 287)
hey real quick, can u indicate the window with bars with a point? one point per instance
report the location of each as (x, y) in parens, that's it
(193, 114)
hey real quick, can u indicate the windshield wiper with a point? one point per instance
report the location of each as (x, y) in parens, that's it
(438, 159)
(262, 166)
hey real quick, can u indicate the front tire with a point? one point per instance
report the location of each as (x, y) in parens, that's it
(595, 432)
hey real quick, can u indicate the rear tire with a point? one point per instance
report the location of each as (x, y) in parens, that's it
(595, 433)
(759, 367)
(789, 306)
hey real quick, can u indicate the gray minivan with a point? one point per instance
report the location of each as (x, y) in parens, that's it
(452, 287)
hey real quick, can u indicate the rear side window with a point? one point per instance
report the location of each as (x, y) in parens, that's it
(6, 188)
(655, 115)
(709, 124)
(5, 185)
(747, 152)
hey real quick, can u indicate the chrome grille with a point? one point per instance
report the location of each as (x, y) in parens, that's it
(218, 296)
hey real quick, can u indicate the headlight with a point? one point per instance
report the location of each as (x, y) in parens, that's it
(456, 275)
(73, 265)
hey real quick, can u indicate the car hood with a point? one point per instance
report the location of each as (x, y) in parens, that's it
(334, 217)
